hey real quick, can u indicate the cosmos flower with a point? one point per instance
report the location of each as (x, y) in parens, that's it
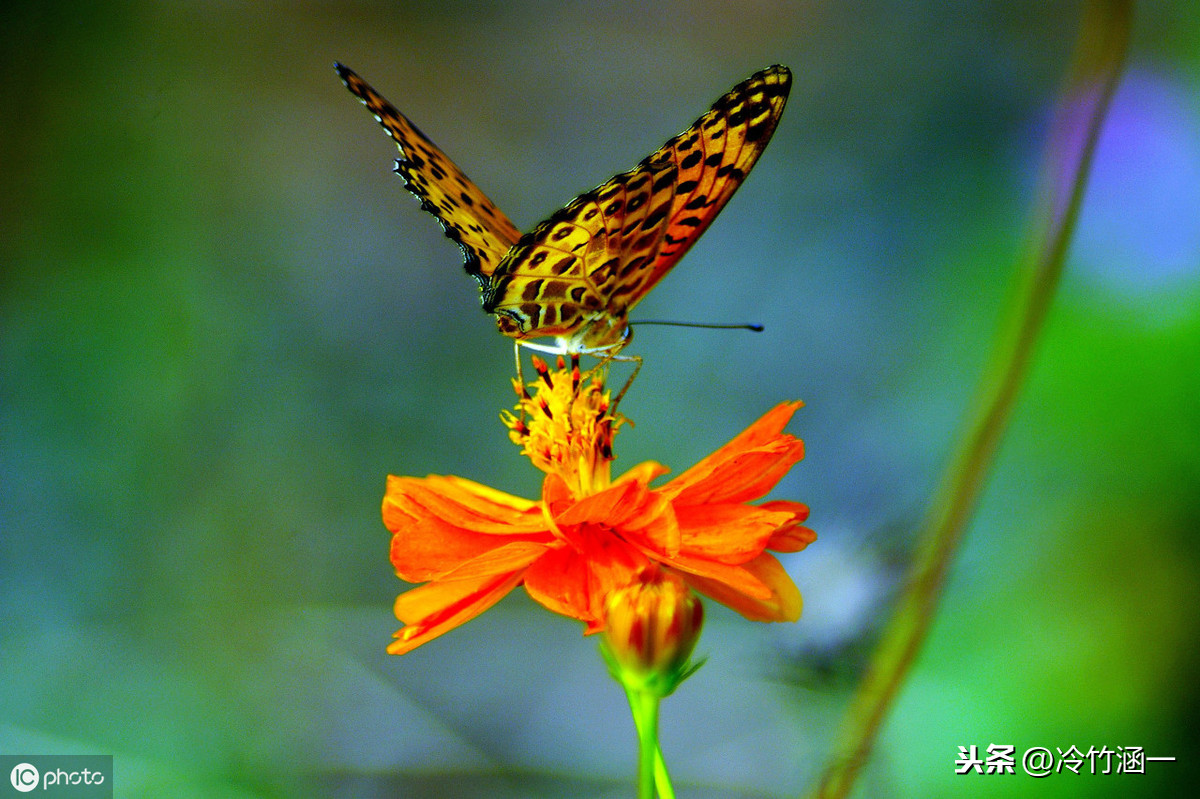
(589, 535)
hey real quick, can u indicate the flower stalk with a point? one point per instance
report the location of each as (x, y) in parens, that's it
(652, 768)
(1098, 60)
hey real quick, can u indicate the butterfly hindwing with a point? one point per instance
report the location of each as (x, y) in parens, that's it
(618, 240)
(467, 216)
(570, 273)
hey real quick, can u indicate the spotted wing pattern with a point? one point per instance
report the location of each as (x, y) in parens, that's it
(577, 275)
(469, 218)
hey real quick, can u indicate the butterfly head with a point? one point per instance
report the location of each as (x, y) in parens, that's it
(576, 329)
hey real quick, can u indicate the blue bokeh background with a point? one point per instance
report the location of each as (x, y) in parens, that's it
(223, 322)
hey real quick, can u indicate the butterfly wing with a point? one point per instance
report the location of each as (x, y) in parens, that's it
(713, 157)
(568, 277)
(579, 273)
(467, 216)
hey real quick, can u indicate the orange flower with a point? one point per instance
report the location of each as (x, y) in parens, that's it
(590, 536)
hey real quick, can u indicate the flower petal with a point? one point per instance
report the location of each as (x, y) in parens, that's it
(437, 608)
(463, 503)
(609, 507)
(745, 468)
(556, 494)
(740, 477)
(441, 523)
(644, 472)
(512, 556)
(728, 533)
(733, 577)
(766, 428)
(576, 582)
(653, 527)
(791, 537)
(781, 602)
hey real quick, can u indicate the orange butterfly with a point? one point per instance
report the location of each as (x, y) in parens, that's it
(577, 275)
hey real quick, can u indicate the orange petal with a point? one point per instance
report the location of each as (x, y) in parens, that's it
(436, 608)
(512, 556)
(728, 533)
(738, 477)
(577, 582)
(653, 527)
(737, 579)
(782, 600)
(643, 473)
(791, 537)
(608, 507)
(798, 509)
(440, 523)
(462, 503)
(558, 581)
(766, 428)
(556, 494)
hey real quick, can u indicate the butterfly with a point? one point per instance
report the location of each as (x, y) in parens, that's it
(577, 275)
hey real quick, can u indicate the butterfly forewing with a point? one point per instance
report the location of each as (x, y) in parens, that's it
(467, 215)
(713, 157)
(649, 217)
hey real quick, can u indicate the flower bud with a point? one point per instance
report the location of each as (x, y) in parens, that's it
(652, 628)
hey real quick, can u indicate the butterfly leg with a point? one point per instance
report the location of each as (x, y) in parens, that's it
(636, 360)
(517, 358)
(607, 355)
(542, 369)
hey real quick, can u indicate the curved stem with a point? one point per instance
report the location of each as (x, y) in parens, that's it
(1099, 56)
(662, 780)
(652, 768)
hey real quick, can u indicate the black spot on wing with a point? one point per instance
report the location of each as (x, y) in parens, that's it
(663, 181)
(656, 216)
(532, 291)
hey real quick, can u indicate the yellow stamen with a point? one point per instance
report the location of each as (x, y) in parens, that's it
(565, 425)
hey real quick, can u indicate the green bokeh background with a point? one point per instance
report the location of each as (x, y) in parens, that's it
(223, 322)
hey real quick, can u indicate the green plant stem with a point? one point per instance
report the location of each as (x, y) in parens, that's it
(652, 769)
(1098, 59)
(662, 780)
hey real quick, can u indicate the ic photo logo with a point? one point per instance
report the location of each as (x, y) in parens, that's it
(24, 777)
(58, 776)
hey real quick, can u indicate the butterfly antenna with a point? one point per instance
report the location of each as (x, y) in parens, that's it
(706, 325)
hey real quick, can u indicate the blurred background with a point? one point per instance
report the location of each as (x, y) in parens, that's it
(223, 322)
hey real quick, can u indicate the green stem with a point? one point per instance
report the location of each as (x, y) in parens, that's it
(1099, 56)
(652, 769)
(662, 780)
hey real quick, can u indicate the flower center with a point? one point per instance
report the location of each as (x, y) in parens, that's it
(566, 425)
